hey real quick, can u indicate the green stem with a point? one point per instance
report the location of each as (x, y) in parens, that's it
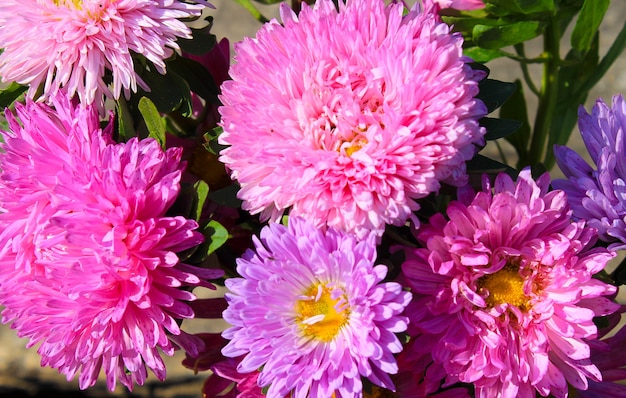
(548, 95)
(247, 4)
(519, 48)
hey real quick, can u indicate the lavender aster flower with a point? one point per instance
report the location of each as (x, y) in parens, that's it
(310, 309)
(599, 195)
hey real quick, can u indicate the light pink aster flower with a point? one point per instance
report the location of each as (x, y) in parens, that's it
(87, 254)
(311, 310)
(346, 117)
(504, 294)
(597, 195)
(73, 43)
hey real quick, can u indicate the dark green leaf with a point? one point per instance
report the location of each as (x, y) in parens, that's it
(480, 164)
(125, 127)
(197, 77)
(211, 143)
(495, 37)
(499, 128)
(169, 92)
(515, 108)
(154, 122)
(588, 22)
(483, 55)
(525, 7)
(570, 95)
(11, 93)
(202, 192)
(494, 93)
(226, 196)
(201, 43)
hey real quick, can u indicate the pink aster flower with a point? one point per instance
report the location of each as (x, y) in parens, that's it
(88, 262)
(311, 310)
(503, 291)
(597, 195)
(346, 122)
(73, 43)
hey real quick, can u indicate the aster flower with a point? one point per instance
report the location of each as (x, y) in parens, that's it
(87, 254)
(503, 291)
(73, 43)
(311, 309)
(597, 195)
(344, 122)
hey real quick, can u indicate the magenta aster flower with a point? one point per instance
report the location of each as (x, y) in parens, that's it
(311, 310)
(349, 132)
(72, 43)
(87, 254)
(503, 293)
(598, 196)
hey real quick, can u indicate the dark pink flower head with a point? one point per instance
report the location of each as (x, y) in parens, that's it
(346, 117)
(72, 43)
(312, 310)
(597, 195)
(87, 253)
(504, 294)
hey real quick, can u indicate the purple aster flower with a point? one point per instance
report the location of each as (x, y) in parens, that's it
(599, 195)
(88, 262)
(311, 310)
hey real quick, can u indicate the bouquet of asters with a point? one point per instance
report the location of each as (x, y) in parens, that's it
(333, 180)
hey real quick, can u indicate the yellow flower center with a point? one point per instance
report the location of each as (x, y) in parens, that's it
(321, 312)
(505, 286)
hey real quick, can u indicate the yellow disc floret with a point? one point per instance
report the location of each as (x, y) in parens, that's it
(322, 311)
(505, 286)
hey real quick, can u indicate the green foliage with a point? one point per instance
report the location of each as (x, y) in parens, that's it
(588, 23)
(154, 122)
(11, 93)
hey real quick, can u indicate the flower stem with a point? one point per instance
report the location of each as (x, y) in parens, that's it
(548, 95)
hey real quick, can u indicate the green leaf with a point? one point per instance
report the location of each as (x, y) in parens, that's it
(499, 128)
(483, 55)
(11, 93)
(494, 93)
(480, 164)
(125, 126)
(201, 189)
(216, 235)
(154, 122)
(588, 23)
(515, 108)
(211, 143)
(495, 37)
(571, 94)
(525, 7)
(202, 41)
(169, 92)
(198, 79)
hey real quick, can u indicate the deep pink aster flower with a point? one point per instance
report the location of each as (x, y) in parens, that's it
(598, 196)
(347, 117)
(311, 309)
(504, 296)
(72, 43)
(87, 254)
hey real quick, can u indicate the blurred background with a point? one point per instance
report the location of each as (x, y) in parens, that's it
(20, 373)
